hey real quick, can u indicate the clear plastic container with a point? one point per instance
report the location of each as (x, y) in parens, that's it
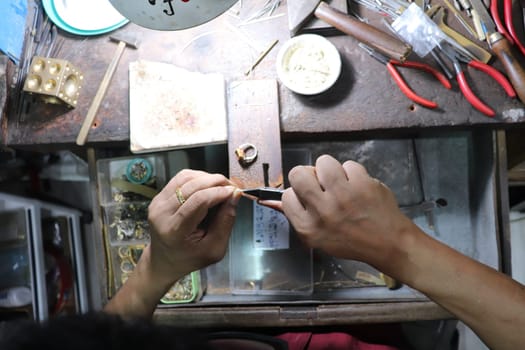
(124, 258)
(130, 179)
(126, 187)
(273, 262)
(266, 256)
(126, 222)
(186, 290)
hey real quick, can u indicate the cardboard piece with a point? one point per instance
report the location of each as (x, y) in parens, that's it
(172, 108)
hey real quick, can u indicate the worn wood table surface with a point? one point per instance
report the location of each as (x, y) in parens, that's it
(365, 98)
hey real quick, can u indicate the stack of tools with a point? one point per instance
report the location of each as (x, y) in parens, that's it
(40, 40)
(314, 25)
(436, 38)
(371, 36)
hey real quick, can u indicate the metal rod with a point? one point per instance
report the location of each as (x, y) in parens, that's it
(261, 57)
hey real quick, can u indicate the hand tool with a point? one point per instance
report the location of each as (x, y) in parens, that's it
(478, 25)
(123, 41)
(417, 28)
(263, 193)
(437, 14)
(455, 58)
(510, 32)
(316, 25)
(401, 83)
(503, 50)
(267, 196)
(30, 36)
(465, 5)
(441, 63)
(363, 32)
(458, 17)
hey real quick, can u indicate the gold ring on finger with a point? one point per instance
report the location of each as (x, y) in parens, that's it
(180, 196)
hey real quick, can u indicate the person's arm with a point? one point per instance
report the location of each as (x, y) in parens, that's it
(185, 237)
(491, 303)
(346, 213)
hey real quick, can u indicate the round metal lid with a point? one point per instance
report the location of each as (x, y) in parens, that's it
(171, 14)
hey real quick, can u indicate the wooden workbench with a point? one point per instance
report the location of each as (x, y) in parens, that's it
(365, 98)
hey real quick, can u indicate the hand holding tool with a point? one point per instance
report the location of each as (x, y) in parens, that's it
(502, 48)
(401, 83)
(267, 196)
(363, 32)
(463, 84)
(93, 108)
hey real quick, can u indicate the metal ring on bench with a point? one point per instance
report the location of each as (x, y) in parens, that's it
(246, 153)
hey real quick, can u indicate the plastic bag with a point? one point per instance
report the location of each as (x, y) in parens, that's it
(417, 29)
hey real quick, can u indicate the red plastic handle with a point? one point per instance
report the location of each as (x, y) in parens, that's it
(425, 67)
(495, 74)
(403, 86)
(507, 13)
(471, 98)
(495, 16)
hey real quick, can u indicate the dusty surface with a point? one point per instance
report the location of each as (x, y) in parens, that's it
(365, 98)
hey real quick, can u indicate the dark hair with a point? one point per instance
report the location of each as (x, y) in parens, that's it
(97, 331)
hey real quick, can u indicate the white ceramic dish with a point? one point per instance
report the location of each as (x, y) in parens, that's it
(308, 64)
(82, 17)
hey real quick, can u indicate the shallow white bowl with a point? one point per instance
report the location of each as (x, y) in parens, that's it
(308, 64)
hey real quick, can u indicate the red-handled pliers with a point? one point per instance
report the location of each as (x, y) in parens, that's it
(456, 57)
(401, 83)
(509, 32)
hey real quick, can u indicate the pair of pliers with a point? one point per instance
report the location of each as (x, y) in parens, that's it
(456, 58)
(401, 83)
(509, 32)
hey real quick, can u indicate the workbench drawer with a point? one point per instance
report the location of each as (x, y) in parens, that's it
(444, 181)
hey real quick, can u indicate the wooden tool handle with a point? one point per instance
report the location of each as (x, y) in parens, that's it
(93, 108)
(513, 68)
(365, 33)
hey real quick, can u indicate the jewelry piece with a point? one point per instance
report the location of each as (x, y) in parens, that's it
(126, 266)
(246, 153)
(139, 171)
(180, 196)
(124, 252)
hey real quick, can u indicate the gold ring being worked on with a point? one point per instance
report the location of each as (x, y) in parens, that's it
(180, 196)
(246, 153)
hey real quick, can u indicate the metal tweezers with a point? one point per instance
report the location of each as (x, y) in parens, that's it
(264, 193)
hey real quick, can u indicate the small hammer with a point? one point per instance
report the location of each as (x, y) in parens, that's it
(123, 41)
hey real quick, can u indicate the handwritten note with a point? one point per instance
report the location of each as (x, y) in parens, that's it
(271, 229)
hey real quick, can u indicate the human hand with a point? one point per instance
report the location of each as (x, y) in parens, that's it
(345, 212)
(191, 235)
